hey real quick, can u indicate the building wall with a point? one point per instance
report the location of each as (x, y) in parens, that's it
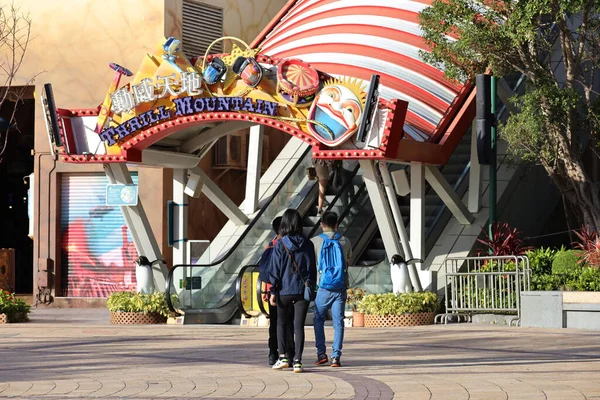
(71, 48)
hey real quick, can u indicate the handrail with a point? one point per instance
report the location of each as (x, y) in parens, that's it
(238, 289)
(352, 203)
(335, 199)
(360, 191)
(259, 299)
(243, 235)
(169, 281)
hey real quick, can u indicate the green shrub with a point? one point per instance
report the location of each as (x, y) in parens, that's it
(540, 260)
(565, 260)
(507, 265)
(576, 279)
(391, 304)
(547, 282)
(139, 302)
(11, 305)
(583, 279)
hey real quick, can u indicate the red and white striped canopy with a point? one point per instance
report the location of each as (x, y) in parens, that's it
(363, 37)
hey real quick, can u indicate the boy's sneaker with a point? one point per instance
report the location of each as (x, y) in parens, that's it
(273, 358)
(335, 362)
(281, 364)
(298, 366)
(321, 359)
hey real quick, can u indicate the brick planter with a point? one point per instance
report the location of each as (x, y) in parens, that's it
(132, 318)
(380, 321)
(12, 318)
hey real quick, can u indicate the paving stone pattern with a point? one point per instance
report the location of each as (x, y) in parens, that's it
(69, 353)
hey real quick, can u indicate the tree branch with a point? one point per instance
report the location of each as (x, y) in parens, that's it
(583, 34)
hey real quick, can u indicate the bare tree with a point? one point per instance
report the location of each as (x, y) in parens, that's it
(15, 35)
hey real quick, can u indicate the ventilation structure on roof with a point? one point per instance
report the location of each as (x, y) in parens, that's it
(202, 24)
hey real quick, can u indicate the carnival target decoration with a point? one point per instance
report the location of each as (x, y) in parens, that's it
(297, 83)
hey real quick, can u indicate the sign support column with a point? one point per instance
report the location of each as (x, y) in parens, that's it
(139, 226)
(391, 194)
(255, 149)
(417, 210)
(180, 217)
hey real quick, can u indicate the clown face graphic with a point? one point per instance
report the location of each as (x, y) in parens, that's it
(339, 108)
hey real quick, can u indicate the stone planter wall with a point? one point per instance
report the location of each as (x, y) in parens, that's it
(379, 321)
(11, 318)
(131, 318)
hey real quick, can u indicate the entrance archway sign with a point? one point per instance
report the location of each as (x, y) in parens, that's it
(170, 93)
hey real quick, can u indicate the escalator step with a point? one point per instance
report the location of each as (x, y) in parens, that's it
(306, 230)
(312, 220)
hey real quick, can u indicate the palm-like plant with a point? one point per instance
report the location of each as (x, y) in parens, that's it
(504, 241)
(590, 244)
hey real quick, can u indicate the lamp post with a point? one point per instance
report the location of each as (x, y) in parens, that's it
(493, 181)
(486, 135)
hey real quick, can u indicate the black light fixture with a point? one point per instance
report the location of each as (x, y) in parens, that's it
(51, 115)
(484, 118)
(370, 107)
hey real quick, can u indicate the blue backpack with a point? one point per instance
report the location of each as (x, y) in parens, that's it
(332, 263)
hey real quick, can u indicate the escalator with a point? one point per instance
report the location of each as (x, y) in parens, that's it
(206, 290)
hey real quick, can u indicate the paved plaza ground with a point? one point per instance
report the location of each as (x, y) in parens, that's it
(75, 353)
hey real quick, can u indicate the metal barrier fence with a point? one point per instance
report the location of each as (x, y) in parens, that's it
(484, 285)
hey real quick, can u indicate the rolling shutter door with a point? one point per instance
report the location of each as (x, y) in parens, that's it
(202, 24)
(97, 249)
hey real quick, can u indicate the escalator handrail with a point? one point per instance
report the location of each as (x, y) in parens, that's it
(169, 281)
(259, 299)
(335, 199)
(360, 191)
(238, 289)
(242, 236)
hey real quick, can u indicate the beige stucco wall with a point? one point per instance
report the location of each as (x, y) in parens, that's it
(73, 41)
(245, 19)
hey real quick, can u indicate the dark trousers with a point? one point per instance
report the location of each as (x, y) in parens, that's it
(291, 311)
(289, 351)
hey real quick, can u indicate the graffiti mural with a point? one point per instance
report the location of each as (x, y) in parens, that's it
(97, 250)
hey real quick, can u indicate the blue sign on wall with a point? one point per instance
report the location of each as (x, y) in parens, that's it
(121, 195)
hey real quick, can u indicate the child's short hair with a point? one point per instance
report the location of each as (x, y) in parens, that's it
(329, 219)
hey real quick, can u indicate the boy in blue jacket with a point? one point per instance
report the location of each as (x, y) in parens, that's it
(265, 290)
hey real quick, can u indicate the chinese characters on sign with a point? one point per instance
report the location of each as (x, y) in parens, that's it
(186, 106)
(124, 100)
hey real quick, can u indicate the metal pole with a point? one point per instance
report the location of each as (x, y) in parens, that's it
(492, 216)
